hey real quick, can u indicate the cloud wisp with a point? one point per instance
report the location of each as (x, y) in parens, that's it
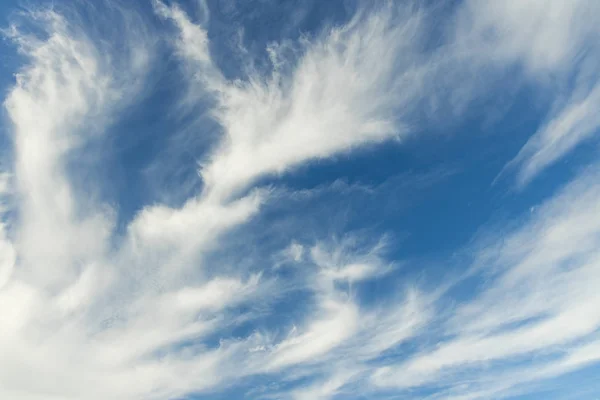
(156, 311)
(556, 46)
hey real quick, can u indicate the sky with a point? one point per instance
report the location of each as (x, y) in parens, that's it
(299, 199)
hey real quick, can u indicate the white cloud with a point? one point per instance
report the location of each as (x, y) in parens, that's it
(339, 337)
(347, 88)
(81, 318)
(89, 313)
(349, 260)
(337, 322)
(95, 320)
(540, 299)
(365, 82)
(553, 42)
(572, 125)
(544, 37)
(7, 252)
(326, 389)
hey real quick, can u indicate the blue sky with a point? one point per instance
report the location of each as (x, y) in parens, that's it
(301, 200)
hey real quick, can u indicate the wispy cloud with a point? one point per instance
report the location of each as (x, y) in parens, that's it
(156, 310)
(539, 299)
(345, 89)
(556, 45)
(573, 124)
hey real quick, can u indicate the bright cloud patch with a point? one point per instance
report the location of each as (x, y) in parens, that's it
(300, 200)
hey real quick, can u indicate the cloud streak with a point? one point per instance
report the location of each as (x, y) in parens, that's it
(539, 299)
(556, 46)
(164, 309)
(346, 89)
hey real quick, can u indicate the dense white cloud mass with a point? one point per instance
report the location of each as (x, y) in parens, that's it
(158, 309)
